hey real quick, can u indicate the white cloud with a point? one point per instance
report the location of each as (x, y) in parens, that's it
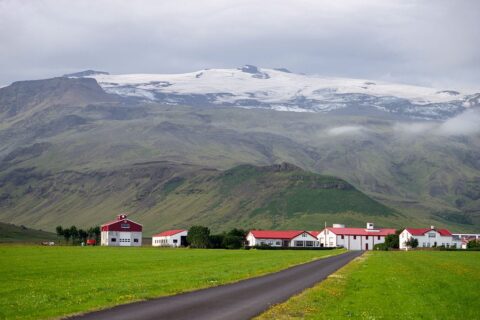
(345, 130)
(467, 123)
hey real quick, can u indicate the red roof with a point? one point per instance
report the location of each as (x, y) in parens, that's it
(314, 233)
(122, 225)
(361, 231)
(277, 234)
(422, 231)
(168, 233)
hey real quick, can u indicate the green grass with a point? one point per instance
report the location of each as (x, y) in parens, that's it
(393, 285)
(47, 282)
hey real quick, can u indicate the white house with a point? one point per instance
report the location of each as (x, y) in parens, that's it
(429, 237)
(464, 238)
(170, 238)
(121, 232)
(277, 238)
(353, 238)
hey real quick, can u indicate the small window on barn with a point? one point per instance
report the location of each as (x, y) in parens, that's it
(175, 240)
(378, 238)
(366, 237)
(309, 243)
(343, 237)
(114, 239)
(125, 226)
(298, 243)
(354, 237)
(135, 240)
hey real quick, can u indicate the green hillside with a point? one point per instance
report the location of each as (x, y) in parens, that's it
(68, 153)
(164, 195)
(13, 233)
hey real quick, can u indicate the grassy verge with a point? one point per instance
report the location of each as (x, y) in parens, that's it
(393, 285)
(46, 282)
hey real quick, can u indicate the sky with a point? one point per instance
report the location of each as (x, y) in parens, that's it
(432, 43)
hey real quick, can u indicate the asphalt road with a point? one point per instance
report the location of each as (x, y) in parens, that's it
(241, 300)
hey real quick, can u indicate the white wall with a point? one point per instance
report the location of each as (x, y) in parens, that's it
(428, 240)
(350, 242)
(299, 241)
(169, 241)
(122, 239)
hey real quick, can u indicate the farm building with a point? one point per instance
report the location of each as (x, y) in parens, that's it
(353, 238)
(464, 238)
(170, 238)
(276, 238)
(429, 237)
(121, 232)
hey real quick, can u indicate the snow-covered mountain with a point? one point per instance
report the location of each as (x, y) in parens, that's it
(280, 89)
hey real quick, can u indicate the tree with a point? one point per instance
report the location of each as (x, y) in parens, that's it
(97, 232)
(473, 244)
(199, 237)
(67, 235)
(73, 233)
(216, 241)
(82, 235)
(412, 242)
(59, 231)
(392, 241)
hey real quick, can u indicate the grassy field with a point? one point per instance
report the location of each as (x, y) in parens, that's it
(393, 285)
(47, 282)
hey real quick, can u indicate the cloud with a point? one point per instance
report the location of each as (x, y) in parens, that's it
(467, 123)
(464, 124)
(427, 42)
(346, 130)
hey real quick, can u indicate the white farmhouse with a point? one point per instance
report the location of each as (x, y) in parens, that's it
(353, 238)
(277, 238)
(429, 237)
(121, 232)
(170, 238)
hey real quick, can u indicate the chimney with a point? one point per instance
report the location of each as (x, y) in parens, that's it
(370, 226)
(432, 227)
(121, 216)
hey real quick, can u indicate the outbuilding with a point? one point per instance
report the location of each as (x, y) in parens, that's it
(429, 237)
(277, 238)
(170, 238)
(121, 232)
(353, 238)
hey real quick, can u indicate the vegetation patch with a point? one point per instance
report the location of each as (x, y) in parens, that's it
(393, 285)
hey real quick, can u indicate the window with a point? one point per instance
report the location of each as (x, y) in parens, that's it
(354, 237)
(278, 243)
(378, 238)
(308, 243)
(304, 235)
(175, 240)
(125, 226)
(135, 240)
(114, 239)
(343, 237)
(298, 243)
(366, 238)
(432, 235)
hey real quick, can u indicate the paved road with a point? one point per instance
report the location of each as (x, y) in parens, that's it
(241, 300)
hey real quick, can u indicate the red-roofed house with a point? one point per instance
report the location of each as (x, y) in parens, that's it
(353, 238)
(170, 238)
(277, 238)
(121, 232)
(428, 237)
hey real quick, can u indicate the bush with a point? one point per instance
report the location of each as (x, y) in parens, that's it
(199, 237)
(381, 246)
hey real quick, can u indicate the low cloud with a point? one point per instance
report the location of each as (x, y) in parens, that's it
(464, 124)
(345, 130)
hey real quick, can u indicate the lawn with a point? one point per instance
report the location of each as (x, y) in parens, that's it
(47, 282)
(393, 285)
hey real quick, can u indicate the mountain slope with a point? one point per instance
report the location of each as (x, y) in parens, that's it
(12, 233)
(167, 195)
(426, 172)
(279, 89)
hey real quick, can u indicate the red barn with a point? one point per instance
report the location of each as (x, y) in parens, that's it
(122, 232)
